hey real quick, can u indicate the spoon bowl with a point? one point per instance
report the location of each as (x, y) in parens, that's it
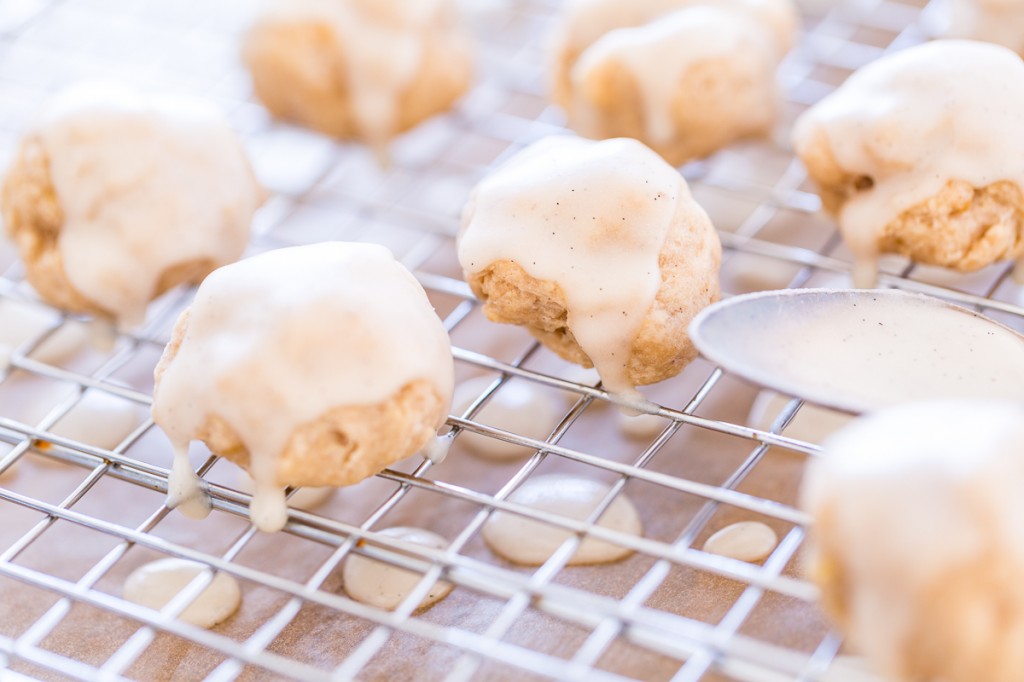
(857, 350)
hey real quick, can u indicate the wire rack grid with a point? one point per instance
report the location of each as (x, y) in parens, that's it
(77, 515)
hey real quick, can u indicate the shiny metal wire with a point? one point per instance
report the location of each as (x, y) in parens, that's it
(191, 46)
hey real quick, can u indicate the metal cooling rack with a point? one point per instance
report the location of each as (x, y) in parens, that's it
(51, 605)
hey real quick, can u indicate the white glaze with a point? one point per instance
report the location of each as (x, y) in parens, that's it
(275, 341)
(530, 542)
(812, 423)
(518, 406)
(942, 479)
(643, 426)
(386, 586)
(186, 492)
(155, 584)
(308, 497)
(659, 54)
(591, 216)
(912, 121)
(100, 419)
(144, 183)
(994, 21)
(859, 350)
(436, 449)
(746, 541)
(383, 44)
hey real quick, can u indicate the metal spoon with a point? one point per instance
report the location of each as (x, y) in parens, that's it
(858, 350)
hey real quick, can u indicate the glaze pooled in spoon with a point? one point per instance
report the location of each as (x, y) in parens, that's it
(859, 350)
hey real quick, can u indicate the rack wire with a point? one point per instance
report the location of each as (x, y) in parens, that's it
(76, 517)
